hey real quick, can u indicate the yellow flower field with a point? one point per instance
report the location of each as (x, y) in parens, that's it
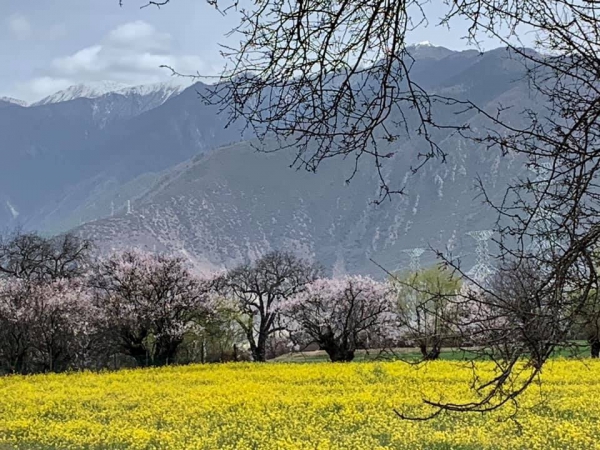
(290, 406)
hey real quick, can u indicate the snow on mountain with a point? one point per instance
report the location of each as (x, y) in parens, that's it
(166, 88)
(12, 209)
(89, 90)
(96, 90)
(14, 101)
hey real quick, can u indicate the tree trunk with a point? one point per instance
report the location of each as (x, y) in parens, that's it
(259, 352)
(166, 351)
(430, 355)
(137, 352)
(259, 349)
(337, 351)
(595, 347)
(337, 354)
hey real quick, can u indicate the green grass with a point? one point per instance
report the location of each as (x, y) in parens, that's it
(579, 349)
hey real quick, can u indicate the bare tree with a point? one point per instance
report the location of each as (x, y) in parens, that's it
(514, 315)
(341, 314)
(257, 291)
(34, 257)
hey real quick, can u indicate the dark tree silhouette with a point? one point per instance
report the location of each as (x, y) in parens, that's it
(34, 257)
(258, 290)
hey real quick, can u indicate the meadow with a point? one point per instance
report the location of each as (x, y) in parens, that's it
(282, 406)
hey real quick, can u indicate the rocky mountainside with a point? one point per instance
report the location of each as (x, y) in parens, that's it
(173, 178)
(235, 204)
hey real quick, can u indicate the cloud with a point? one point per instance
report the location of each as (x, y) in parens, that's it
(43, 86)
(140, 35)
(19, 26)
(131, 54)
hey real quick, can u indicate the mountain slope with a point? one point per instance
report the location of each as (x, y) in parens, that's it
(57, 157)
(168, 174)
(236, 204)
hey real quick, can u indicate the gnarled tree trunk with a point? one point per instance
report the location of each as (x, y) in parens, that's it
(595, 347)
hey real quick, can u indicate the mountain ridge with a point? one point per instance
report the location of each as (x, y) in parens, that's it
(170, 175)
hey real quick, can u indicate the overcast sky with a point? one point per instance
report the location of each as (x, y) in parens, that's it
(48, 45)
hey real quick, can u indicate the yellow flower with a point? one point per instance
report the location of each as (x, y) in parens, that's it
(292, 407)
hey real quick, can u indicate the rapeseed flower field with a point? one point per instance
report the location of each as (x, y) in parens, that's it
(279, 406)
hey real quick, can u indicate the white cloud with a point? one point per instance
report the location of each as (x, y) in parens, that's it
(131, 54)
(19, 26)
(140, 35)
(41, 87)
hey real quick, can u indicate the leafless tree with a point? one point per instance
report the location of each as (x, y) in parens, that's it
(35, 257)
(257, 291)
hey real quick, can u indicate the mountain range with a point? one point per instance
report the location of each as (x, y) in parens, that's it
(155, 167)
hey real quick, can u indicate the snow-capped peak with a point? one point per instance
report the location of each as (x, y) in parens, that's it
(88, 90)
(99, 89)
(14, 101)
(424, 44)
(148, 89)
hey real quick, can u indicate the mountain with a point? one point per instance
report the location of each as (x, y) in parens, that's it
(13, 101)
(59, 158)
(425, 50)
(111, 101)
(235, 204)
(89, 90)
(168, 174)
(161, 91)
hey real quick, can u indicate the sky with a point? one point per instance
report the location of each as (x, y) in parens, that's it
(48, 45)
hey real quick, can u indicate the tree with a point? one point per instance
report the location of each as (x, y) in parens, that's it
(218, 336)
(148, 300)
(45, 326)
(342, 314)
(426, 310)
(34, 257)
(513, 316)
(591, 326)
(258, 290)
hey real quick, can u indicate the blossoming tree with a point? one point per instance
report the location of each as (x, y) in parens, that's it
(340, 314)
(149, 302)
(45, 326)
